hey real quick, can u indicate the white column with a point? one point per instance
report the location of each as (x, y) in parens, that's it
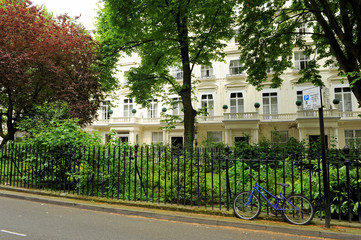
(255, 135)
(227, 136)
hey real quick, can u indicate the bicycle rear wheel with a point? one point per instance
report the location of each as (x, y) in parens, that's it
(246, 206)
(298, 210)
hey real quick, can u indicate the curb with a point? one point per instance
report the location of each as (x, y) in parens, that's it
(185, 219)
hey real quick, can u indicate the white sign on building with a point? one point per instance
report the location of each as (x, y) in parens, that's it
(311, 98)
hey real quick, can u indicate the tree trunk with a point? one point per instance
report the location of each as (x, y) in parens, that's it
(189, 119)
(11, 129)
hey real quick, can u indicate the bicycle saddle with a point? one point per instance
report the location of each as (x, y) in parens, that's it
(283, 184)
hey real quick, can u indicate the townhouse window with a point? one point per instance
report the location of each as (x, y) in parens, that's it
(208, 103)
(269, 69)
(299, 95)
(236, 102)
(177, 73)
(157, 137)
(353, 138)
(236, 40)
(104, 106)
(153, 109)
(127, 107)
(214, 136)
(125, 80)
(301, 60)
(270, 105)
(302, 29)
(177, 106)
(206, 71)
(279, 137)
(344, 95)
(235, 67)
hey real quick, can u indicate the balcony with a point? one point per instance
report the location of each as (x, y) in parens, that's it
(117, 120)
(349, 115)
(241, 116)
(244, 116)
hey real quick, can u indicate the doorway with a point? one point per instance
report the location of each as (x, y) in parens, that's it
(177, 142)
(317, 139)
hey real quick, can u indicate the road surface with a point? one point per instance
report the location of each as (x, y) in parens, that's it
(27, 220)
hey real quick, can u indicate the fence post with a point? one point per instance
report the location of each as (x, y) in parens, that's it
(136, 170)
(228, 187)
(12, 149)
(346, 150)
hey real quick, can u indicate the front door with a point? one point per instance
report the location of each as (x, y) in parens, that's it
(177, 142)
(317, 139)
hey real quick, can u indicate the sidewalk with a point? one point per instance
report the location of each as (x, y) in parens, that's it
(338, 230)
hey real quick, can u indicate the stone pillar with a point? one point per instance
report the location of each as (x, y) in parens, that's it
(227, 137)
(254, 135)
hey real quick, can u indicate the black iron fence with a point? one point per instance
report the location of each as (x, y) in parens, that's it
(206, 178)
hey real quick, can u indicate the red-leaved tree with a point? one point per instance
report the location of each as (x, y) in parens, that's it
(44, 59)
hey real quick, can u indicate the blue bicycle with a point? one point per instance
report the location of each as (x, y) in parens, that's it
(296, 209)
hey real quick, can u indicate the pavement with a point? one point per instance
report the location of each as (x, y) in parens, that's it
(338, 229)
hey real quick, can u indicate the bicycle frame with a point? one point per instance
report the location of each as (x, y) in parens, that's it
(259, 189)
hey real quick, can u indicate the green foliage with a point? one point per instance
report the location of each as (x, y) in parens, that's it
(269, 31)
(41, 117)
(166, 175)
(44, 58)
(62, 133)
(165, 34)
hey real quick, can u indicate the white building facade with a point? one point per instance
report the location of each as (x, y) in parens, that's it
(236, 111)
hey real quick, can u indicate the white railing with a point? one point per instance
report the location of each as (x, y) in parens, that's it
(331, 113)
(210, 118)
(349, 115)
(278, 117)
(241, 116)
(124, 120)
(150, 120)
(315, 113)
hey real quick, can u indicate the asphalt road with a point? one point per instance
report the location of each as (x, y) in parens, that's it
(22, 219)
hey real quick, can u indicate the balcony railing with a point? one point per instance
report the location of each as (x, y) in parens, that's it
(278, 117)
(210, 118)
(241, 116)
(315, 113)
(349, 115)
(330, 113)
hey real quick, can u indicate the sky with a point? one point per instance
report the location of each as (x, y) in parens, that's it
(87, 9)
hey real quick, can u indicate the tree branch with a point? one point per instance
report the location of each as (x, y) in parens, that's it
(205, 40)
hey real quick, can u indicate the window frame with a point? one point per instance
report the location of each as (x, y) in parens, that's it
(153, 109)
(129, 105)
(105, 106)
(211, 136)
(301, 61)
(282, 135)
(342, 107)
(239, 107)
(271, 95)
(177, 106)
(205, 103)
(234, 69)
(177, 73)
(208, 70)
(157, 137)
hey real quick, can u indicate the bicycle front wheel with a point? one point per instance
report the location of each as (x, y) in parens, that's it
(297, 209)
(246, 205)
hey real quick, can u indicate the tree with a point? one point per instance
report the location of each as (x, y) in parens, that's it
(44, 59)
(165, 34)
(270, 30)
